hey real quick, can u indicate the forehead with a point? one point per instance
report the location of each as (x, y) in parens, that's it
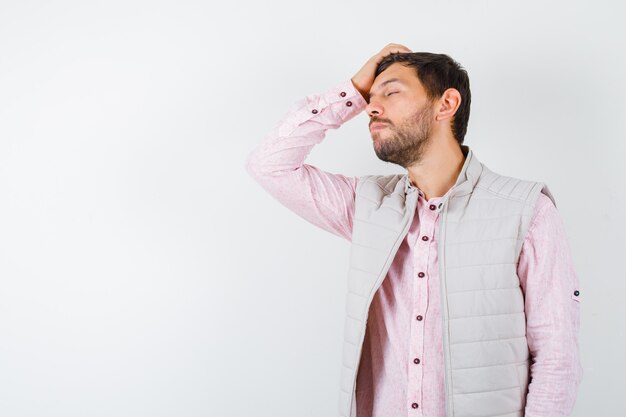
(400, 72)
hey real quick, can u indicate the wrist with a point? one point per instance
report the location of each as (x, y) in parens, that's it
(359, 87)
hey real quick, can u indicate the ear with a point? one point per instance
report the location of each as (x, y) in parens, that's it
(449, 101)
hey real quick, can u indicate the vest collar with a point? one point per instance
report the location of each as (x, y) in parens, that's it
(465, 182)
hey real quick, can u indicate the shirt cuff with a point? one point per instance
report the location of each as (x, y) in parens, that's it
(332, 108)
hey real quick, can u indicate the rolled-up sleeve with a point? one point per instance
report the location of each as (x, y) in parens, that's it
(552, 304)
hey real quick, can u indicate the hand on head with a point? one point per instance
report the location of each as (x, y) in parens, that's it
(364, 79)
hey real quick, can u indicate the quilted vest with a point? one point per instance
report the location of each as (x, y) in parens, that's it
(485, 218)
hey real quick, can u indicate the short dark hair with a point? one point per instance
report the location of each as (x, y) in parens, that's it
(437, 73)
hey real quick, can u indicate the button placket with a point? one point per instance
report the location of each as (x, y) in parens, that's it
(420, 304)
(428, 215)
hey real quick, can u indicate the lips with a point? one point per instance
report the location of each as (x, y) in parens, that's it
(378, 125)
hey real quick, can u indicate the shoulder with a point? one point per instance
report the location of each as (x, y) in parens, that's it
(382, 183)
(508, 187)
(545, 215)
(544, 203)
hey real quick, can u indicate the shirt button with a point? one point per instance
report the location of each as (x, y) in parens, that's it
(419, 318)
(348, 103)
(421, 275)
(342, 94)
(414, 405)
(416, 361)
(424, 238)
(314, 111)
(576, 293)
(432, 207)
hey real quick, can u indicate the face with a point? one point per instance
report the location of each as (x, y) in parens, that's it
(401, 116)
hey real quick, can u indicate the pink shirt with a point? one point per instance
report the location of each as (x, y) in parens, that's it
(401, 368)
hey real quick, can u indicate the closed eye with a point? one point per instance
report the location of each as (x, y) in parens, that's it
(390, 93)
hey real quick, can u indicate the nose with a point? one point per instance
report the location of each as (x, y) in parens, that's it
(374, 109)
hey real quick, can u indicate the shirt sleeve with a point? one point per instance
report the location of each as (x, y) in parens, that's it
(552, 304)
(277, 163)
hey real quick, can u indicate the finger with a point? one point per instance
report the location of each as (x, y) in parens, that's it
(395, 49)
(397, 45)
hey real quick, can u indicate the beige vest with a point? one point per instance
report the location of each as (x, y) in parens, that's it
(485, 218)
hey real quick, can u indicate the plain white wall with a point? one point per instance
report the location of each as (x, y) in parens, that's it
(144, 273)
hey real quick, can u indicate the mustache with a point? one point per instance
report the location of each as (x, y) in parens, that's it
(379, 120)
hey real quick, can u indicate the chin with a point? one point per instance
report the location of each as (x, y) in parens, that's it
(376, 136)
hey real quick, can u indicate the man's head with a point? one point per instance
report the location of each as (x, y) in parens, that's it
(414, 95)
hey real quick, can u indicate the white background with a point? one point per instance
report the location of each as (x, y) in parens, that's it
(144, 273)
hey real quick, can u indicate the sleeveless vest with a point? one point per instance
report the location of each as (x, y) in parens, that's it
(485, 218)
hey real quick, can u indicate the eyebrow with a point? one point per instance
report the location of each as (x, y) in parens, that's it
(384, 83)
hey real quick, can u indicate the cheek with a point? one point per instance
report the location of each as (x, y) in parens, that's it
(398, 114)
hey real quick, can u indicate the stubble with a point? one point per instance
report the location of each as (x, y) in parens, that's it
(408, 141)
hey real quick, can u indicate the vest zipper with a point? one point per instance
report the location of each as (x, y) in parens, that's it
(444, 307)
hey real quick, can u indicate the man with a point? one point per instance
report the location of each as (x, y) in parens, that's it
(463, 300)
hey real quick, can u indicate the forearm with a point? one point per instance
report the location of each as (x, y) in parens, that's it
(556, 371)
(555, 381)
(288, 144)
(277, 164)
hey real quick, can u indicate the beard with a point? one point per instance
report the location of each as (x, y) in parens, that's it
(405, 144)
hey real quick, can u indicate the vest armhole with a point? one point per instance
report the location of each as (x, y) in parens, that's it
(531, 203)
(547, 192)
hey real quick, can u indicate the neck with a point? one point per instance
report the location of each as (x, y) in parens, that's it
(438, 169)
